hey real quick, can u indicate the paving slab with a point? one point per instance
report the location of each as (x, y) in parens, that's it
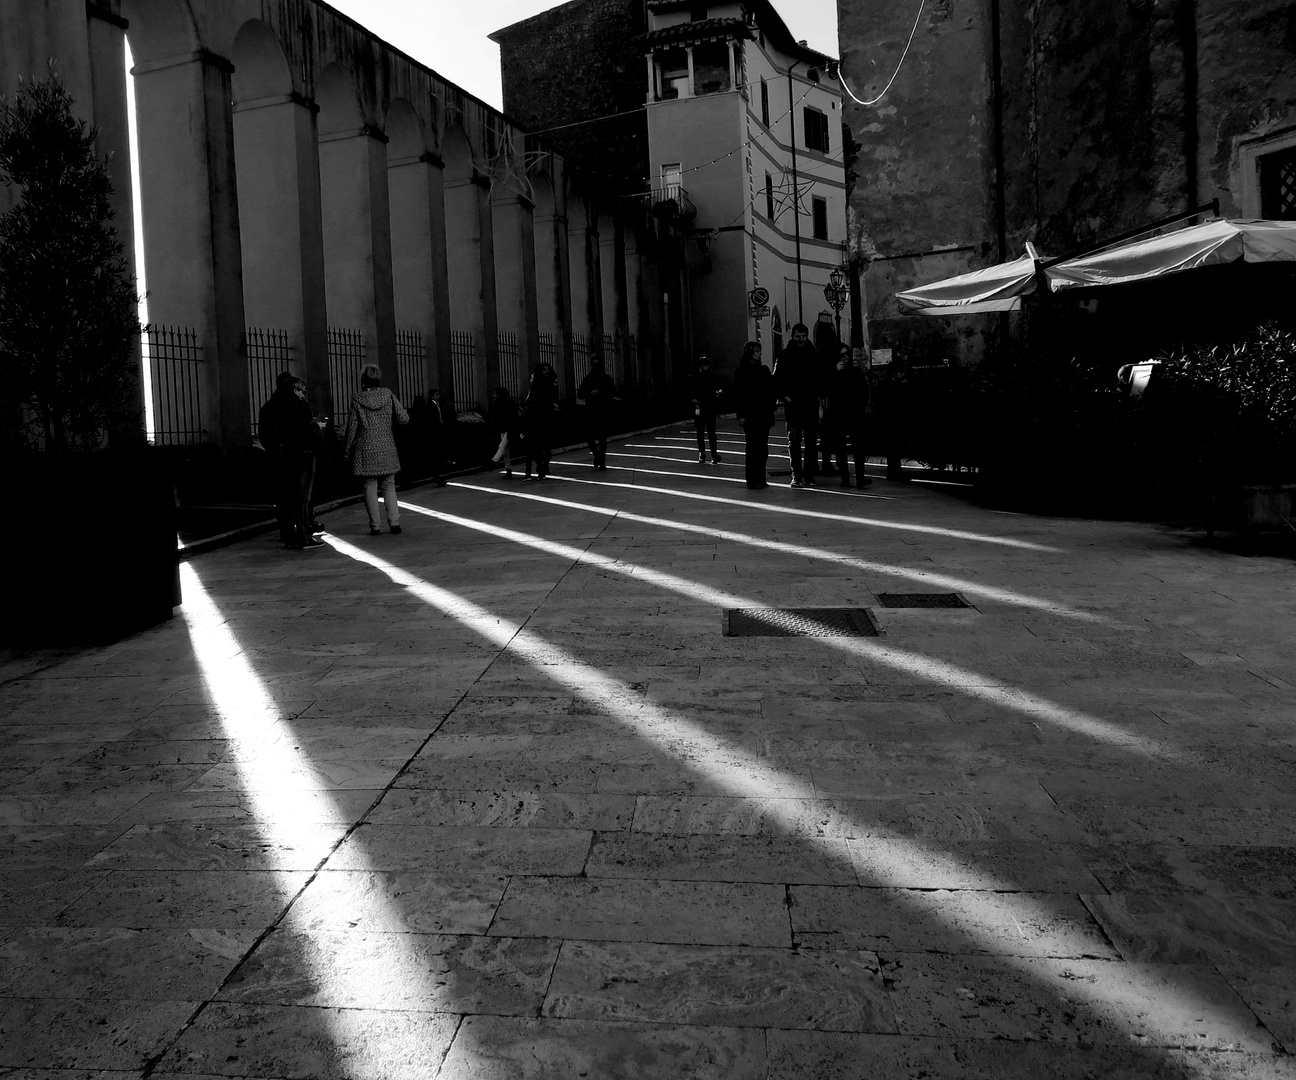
(1047, 836)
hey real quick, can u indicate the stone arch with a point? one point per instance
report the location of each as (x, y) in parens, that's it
(260, 63)
(160, 28)
(470, 264)
(405, 130)
(338, 98)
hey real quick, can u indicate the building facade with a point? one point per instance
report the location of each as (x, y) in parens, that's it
(313, 199)
(1062, 124)
(742, 153)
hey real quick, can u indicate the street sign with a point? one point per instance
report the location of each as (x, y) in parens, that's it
(881, 357)
(758, 298)
(760, 312)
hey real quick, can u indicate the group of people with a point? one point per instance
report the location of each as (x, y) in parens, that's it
(825, 405)
(529, 429)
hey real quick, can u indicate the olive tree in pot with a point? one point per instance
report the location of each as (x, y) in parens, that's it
(1228, 413)
(92, 553)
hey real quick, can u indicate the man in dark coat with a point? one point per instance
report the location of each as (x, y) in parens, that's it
(289, 434)
(707, 391)
(847, 416)
(798, 382)
(541, 405)
(597, 390)
(754, 403)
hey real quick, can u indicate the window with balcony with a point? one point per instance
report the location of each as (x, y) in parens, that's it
(671, 177)
(819, 208)
(815, 126)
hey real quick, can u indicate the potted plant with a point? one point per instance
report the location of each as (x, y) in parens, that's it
(94, 555)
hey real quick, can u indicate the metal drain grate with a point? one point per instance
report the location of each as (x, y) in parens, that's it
(799, 622)
(922, 600)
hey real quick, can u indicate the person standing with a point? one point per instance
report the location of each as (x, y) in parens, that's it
(504, 423)
(370, 445)
(541, 404)
(707, 391)
(597, 391)
(754, 404)
(289, 434)
(847, 416)
(798, 382)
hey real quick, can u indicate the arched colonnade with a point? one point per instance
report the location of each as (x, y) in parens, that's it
(312, 198)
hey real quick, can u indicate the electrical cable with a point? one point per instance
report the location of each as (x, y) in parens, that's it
(873, 101)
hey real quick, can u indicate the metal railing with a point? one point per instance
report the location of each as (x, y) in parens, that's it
(510, 363)
(268, 353)
(346, 356)
(463, 358)
(175, 360)
(580, 359)
(410, 369)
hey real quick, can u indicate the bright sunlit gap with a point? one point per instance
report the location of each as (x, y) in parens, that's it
(763, 507)
(894, 863)
(938, 672)
(137, 214)
(925, 577)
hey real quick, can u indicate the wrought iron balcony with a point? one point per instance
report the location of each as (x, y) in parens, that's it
(671, 202)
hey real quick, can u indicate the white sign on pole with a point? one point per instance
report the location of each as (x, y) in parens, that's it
(881, 357)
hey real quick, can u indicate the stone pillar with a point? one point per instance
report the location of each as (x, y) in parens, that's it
(281, 214)
(515, 277)
(554, 284)
(193, 253)
(620, 288)
(420, 272)
(357, 241)
(594, 284)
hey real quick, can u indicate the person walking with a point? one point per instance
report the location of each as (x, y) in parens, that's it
(798, 382)
(289, 433)
(504, 423)
(707, 391)
(597, 390)
(370, 445)
(754, 403)
(846, 414)
(541, 404)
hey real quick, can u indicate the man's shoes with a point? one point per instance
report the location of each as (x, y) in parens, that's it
(701, 459)
(311, 543)
(396, 530)
(715, 459)
(375, 531)
(798, 482)
(317, 528)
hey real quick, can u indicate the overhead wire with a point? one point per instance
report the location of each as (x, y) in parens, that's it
(873, 101)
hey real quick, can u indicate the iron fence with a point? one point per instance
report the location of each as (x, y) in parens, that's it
(410, 369)
(510, 364)
(346, 356)
(268, 353)
(633, 374)
(174, 358)
(580, 359)
(463, 358)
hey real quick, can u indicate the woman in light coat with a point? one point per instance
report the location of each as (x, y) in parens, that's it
(370, 445)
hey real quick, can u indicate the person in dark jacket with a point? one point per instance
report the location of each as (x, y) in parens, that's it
(754, 404)
(597, 391)
(541, 404)
(846, 415)
(707, 391)
(798, 383)
(289, 434)
(504, 423)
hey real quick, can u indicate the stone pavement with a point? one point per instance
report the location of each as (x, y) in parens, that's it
(496, 798)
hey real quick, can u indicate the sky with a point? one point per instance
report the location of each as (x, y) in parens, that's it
(449, 36)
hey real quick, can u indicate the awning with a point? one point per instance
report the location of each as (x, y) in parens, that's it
(994, 288)
(1211, 244)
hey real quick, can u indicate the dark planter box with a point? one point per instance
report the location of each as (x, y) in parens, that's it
(101, 566)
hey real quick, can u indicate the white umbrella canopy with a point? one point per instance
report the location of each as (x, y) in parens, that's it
(993, 288)
(1213, 243)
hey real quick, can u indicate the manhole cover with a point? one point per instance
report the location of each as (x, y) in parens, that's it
(799, 622)
(922, 600)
